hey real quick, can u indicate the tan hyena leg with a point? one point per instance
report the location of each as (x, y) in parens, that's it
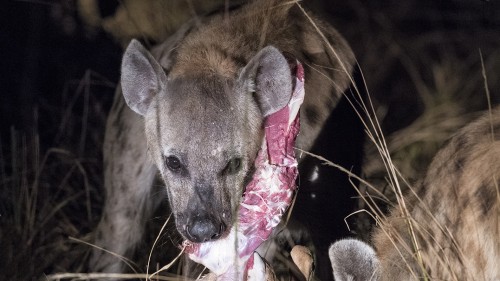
(129, 176)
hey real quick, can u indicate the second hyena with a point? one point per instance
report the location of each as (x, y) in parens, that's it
(452, 231)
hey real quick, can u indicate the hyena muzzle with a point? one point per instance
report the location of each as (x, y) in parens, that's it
(454, 214)
(194, 105)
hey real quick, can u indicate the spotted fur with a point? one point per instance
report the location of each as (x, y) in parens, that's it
(203, 94)
(454, 214)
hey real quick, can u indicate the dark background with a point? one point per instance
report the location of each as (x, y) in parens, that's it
(46, 50)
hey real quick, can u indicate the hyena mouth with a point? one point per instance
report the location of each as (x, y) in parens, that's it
(266, 197)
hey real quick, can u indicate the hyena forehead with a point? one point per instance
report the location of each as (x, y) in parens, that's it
(207, 113)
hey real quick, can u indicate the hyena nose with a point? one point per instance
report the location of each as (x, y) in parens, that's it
(203, 229)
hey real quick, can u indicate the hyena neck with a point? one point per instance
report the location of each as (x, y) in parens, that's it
(213, 49)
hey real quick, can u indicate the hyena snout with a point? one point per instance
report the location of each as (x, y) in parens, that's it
(203, 228)
(207, 216)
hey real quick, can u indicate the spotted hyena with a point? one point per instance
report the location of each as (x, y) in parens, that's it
(192, 108)
(452, 231)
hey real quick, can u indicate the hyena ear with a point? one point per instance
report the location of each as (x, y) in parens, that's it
(142, 77)
(353, 260)
(268, 75)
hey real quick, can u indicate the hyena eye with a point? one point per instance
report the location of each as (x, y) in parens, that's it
(233, 166)
(173, 163)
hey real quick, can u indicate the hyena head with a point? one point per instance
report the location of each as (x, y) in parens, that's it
(204, 131)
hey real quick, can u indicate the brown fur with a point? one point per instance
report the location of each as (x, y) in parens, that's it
(195, 93)
(455, 215)
(452, 230)
(222, 45)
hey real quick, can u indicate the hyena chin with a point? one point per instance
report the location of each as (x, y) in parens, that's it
(196, 106)
(454, 214)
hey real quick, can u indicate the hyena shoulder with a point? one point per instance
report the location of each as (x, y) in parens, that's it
(454, 214)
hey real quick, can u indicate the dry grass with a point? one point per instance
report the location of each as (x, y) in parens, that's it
(397, 189)
(455, 96)
(49, 194)
(407, 153)
(450, 102)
